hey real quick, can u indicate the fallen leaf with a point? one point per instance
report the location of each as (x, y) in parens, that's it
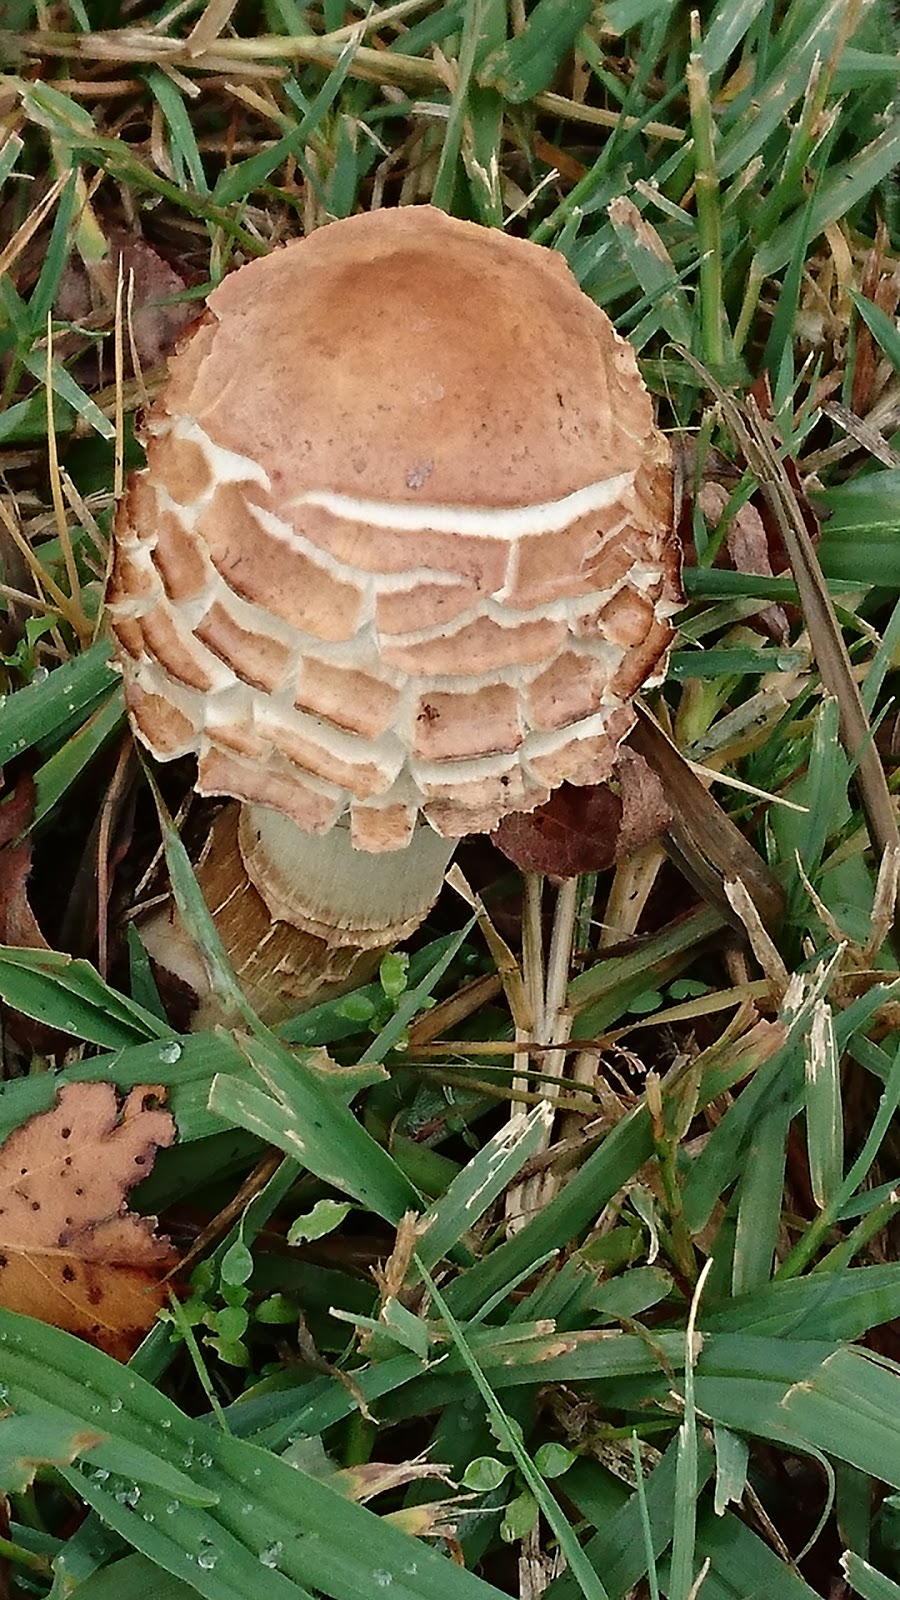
(747, 544)
(71, 1253)
(17, 920)
(587, 829)
(18, 924)
(157, 314)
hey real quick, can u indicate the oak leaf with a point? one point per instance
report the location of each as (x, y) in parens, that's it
(71, 1253)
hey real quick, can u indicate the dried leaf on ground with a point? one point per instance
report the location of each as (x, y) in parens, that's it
(17, 921)
(18, 924)
(71, 1253)
(588, 829)
(157, 315)
(747, 545)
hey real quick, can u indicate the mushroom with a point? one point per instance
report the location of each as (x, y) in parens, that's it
(401, 555)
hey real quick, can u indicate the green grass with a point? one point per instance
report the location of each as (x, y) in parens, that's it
(679, 1368)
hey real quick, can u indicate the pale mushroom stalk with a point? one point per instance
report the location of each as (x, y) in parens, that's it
(301, 917)
(400, 558)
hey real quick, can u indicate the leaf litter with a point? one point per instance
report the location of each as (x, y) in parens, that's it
(71, 1253)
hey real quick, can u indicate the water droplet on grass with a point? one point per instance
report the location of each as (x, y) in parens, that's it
(207, 1560)
(269, 1556)
(170, 1052)
(115, 1403)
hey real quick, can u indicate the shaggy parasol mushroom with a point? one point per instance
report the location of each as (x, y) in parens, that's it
(402, 552)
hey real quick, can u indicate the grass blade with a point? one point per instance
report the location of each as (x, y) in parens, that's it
(266, 1529)
(70, 995)
(303, 1116)
(588, 1580)
(43, 710)
(754, 438)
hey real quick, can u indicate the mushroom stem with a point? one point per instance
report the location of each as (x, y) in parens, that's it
(302, 917)
(320, 883)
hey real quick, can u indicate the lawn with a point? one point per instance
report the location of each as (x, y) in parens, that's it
(559, 1255)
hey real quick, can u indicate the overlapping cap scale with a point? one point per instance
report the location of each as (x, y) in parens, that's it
(403, 542)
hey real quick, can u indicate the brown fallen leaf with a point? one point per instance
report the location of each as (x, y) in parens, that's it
(157, 315)
(18, 924)
(71, 1253)
(588, 829)
(17, 920)
(747, 545)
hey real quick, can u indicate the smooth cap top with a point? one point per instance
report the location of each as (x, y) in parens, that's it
(403, 542)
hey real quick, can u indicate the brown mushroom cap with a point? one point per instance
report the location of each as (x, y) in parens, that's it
(403, 543)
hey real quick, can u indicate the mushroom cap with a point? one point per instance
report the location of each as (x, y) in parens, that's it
(403, 543)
